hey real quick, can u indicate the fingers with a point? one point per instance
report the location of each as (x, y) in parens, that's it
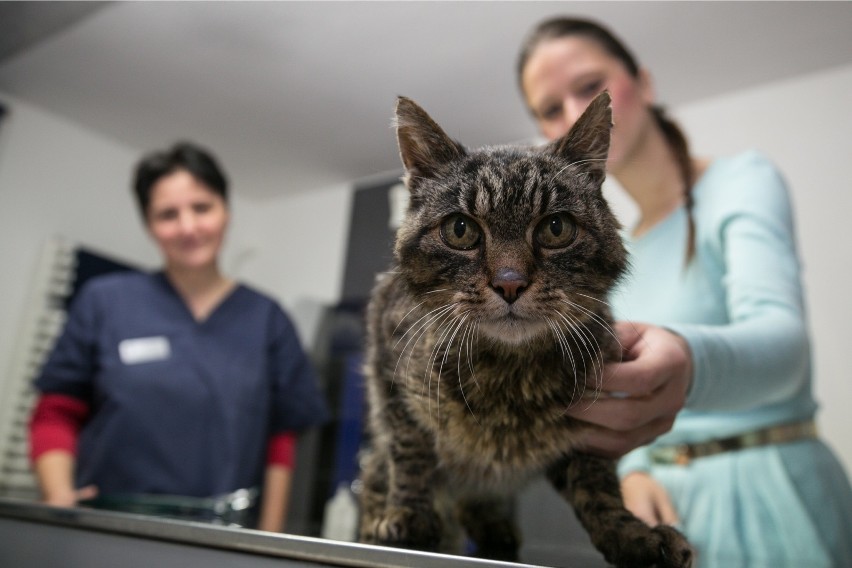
(653, 356)
(624, 414)
(665, 510)
(629, 333)
(613, 444)
(638, 495)
(645, 512)
(85, 493)
(640, 397)
(648, 500)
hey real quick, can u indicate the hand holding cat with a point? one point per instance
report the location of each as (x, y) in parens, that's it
(641, 395)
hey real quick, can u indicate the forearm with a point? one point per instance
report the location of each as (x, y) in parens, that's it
(759, 361)
(54, 471)
(275, 498)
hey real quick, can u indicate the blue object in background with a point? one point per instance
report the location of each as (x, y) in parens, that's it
(350, 423)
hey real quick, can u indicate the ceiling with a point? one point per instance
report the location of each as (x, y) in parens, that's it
(297, 96)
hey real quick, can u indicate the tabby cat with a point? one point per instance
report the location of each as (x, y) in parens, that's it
(485, 331)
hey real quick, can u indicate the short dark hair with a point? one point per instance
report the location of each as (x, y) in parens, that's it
(182, 156)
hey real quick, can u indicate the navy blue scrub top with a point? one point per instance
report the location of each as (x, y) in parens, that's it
(179, 407)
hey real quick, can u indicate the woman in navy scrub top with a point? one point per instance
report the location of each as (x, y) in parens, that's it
(182, 382)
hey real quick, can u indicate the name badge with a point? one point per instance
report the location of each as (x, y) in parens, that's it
(144, 350)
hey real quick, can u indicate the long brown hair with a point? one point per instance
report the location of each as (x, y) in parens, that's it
(560, 27)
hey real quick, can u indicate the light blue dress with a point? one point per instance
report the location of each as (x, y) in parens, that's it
(739, 305)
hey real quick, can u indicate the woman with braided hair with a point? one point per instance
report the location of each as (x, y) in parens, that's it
(712, 404)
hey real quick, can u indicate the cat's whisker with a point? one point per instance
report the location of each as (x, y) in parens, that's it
(564, 340)
(598, 358)
(424, 316)
(597, 318)
(604, 302)
(461, 323)
(465, 338)
(592, 348)
(419, 331)
(406, 315)
(465, 347)
(453, 329)
(557, 174)
(449, 344)
(593, 343)
(566, 349)
(578, 335)
(473, 336)
(563, 345)
(556, 334)
(433, 357)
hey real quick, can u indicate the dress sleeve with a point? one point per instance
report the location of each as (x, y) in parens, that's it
(297, 401)
(72, 363)
(637, 460)
(762, 355)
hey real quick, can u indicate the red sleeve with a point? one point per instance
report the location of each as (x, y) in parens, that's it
(55, 423)
(281, 450)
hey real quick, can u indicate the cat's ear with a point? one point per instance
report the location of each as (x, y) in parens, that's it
(587, 143)
(423, 145)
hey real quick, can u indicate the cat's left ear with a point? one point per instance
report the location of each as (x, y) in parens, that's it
(423, 146)
(587, 143)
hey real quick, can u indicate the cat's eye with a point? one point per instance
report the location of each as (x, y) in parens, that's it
(460, 232)
(556, 231)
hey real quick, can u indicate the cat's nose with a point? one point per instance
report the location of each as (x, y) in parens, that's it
(509, 283)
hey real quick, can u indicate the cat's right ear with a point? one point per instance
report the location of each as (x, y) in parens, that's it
(587, 143)
(423, 146)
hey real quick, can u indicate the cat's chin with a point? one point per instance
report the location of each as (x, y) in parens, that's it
(512, 330)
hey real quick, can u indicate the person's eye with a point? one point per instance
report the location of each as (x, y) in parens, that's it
(202, 207)
(164, 215)
(460, 232)
(551, 112)
(592, 88)
(556, 231)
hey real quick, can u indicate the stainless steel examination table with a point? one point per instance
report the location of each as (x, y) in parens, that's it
(37, 536)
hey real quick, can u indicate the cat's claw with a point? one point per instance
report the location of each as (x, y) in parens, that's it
(406, 527)
(675, 551)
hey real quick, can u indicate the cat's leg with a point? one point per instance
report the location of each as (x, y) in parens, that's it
(489, 522)
(591, 485)
(408, 517)
(373, 496)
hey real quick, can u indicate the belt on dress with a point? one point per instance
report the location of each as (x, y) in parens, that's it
(683, 454)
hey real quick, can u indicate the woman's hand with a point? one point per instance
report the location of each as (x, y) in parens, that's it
(54, 471)
(72, 497)
(648, 500)
(641, 395)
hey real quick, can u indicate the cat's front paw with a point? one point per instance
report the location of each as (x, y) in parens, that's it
(407, 527)
(640, 546)
(674, 550)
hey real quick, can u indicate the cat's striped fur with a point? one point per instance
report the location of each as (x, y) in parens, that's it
(492, 323)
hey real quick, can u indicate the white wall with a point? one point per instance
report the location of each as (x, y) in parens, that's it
(803, 125)
(58, 178)
(294, 248)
